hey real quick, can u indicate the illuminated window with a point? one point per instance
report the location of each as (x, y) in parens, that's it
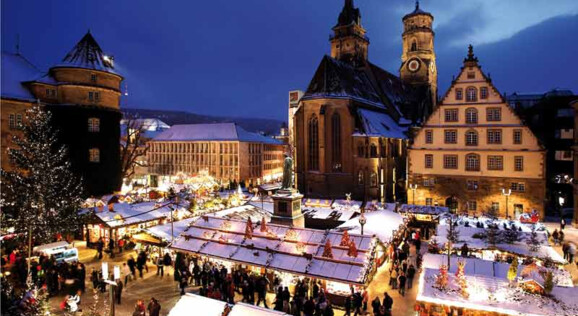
(12, 121)
(451, 115)
(472, 185)
(493, 114)
(429, 182)
(494, 136)
(360, 179)
(519, 163)
(93, 125)
(429, 137)
(94, 155)
(495, 206)
(450, 161)
(459, 94)
(518, 186)
(472, 162)
(517, 136)
(484, 92)
(450, 136)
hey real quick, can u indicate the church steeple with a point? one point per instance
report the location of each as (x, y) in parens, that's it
(349, 42)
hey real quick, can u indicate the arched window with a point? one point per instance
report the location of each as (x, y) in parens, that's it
(373, 151)
(472, 162)
(471, 138)
(336, 141)
(313, 143)
(413, 45)
(471, 116)
(471, 94)
(373, 179)
(360, 150)
(360, 179)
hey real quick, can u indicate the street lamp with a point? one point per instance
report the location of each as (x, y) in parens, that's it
(362, 220)
(413, 187)
(507, 195)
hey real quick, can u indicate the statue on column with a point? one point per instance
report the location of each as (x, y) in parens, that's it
(287, 173)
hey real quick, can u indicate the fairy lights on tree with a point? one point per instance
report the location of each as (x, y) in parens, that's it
(327, 252)
(461, 278)
(442, 278)
(345, 240)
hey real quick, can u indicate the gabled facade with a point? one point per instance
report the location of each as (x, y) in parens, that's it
(351, 125)
(474, 148)
(82, 92)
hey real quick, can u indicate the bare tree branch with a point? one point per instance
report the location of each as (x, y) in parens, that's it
(133, 145)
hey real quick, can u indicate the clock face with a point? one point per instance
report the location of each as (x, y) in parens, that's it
(432, 67)
(413, 65)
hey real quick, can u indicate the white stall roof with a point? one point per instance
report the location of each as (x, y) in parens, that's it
(190, 304)
(380, 223)
(294, 250)
(164, 231)
(125, 214)
(242, 309)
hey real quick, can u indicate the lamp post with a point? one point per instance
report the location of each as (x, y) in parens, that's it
(362, 220)
(507, 195)
(413, 187)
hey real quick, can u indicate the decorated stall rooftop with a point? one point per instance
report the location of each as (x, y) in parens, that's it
(162, 233)
(190, 304)
(381, 223)
(243, 212)
(473, 234)
(294, 250)
(488, 294)
(124, 214)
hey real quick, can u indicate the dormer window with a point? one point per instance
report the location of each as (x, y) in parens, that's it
(471, 75)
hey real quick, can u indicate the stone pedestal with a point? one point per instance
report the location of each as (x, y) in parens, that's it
(287, 208)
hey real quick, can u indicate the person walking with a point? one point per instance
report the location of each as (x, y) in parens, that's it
(99, 247)
(262, 284)
(376, 306)
(154, 307)
(364, 299)
(561, 237)
(562, 223)
(94, 278)
(565, 247)
(127, 272)
(111, 247)
(160, 266)
(183, 283)
(309, 307)
(402, 280)
(348, 304)
(410, 276)
(387, 303)
(393, 278)
(555, 236)
(132, 266)
(571, 252)
(139, 308)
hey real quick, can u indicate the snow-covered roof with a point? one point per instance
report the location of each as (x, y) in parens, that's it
(493, 294)
(150, 127)
(267, 206)
(212, 132)
(243, 212)
(163, 231)
(341, 215)
(423, 209)
(88, 54)
(487, 268)
(125, 214)
(521, 247)
(380, 223)
(294, 250)
(243, 309)
(16, 70)
(379, 124)
(200, 305)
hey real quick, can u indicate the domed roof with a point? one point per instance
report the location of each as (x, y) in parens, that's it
(417, 11)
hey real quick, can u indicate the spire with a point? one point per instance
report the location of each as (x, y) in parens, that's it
(471, 57)
(349, 14)
(88, 54)
(417, 5)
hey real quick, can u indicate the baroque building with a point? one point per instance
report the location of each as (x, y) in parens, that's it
(82, 92)
(349, 129)
(474, 151)
(225, 150)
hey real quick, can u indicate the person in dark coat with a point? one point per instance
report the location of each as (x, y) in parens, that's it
(94, 278)
(131, 265)
(111, 244)
(99, 248)
(410, 276)
(402, 280)
(262, 284)
(154, 307)
(387, 302)
(309, 307)
(357, 303)
(81, 270)
(183, 283)
(376, 306)
(118, 291)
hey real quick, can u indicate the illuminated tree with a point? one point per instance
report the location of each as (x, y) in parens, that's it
(249, 229)
(461, 278)
(442, 278)
(352, 251)
(327, 251)
(345, 240)
(513, 271)
(533, 241)
(263, 225)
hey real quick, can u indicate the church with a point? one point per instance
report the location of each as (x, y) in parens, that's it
(352, 125)
(83, 94)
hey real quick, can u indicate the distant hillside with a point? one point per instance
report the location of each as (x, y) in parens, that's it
(267, 126)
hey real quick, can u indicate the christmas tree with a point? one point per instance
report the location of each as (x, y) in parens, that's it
(548, 282)
(461, 277)
(453, 233)
(263, 225)
(493, 235)
(352, 251)
(442, 278)
(327, 252)
(40, 195)
(513, 271)
(345, 239)
(511, 235)
(533, 241)
(249, 229)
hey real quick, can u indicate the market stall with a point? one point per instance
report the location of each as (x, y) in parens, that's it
(190, 304)
(339, 260)
(477, 287)
(424, 217)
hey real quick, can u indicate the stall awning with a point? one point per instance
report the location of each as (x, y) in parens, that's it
(146, 238)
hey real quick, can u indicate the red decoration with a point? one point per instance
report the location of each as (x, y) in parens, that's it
(327, 252)
(249, 229)
(461, 276)
(345, 239)
(263, 225)
(352, 252)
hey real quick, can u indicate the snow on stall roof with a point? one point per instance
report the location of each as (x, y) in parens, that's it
(329, 213)
(190, 304)
(380, 223)
(164, 231)
(423, 209)
(520, 247)
(16, 70)
(243, 212)
(225, 239)
(127, 214)
(242, 309)
(212, 132)
(266, 206)
(380, 124)
(494, 294)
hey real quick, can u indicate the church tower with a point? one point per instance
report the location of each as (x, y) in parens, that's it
(349, 42)
(418, 59)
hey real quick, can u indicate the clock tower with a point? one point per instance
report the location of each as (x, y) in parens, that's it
(349, 43)
(418, 60)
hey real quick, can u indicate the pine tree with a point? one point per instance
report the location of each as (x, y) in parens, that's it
(249, 229)
(513, 271)
(453, 233)
(40, 196)
(548, 282)
(493, 234)
(511, 235)
(352, 251)
(263, 227)
(533, 241)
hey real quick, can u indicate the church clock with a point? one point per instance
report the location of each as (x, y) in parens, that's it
(413, 65)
